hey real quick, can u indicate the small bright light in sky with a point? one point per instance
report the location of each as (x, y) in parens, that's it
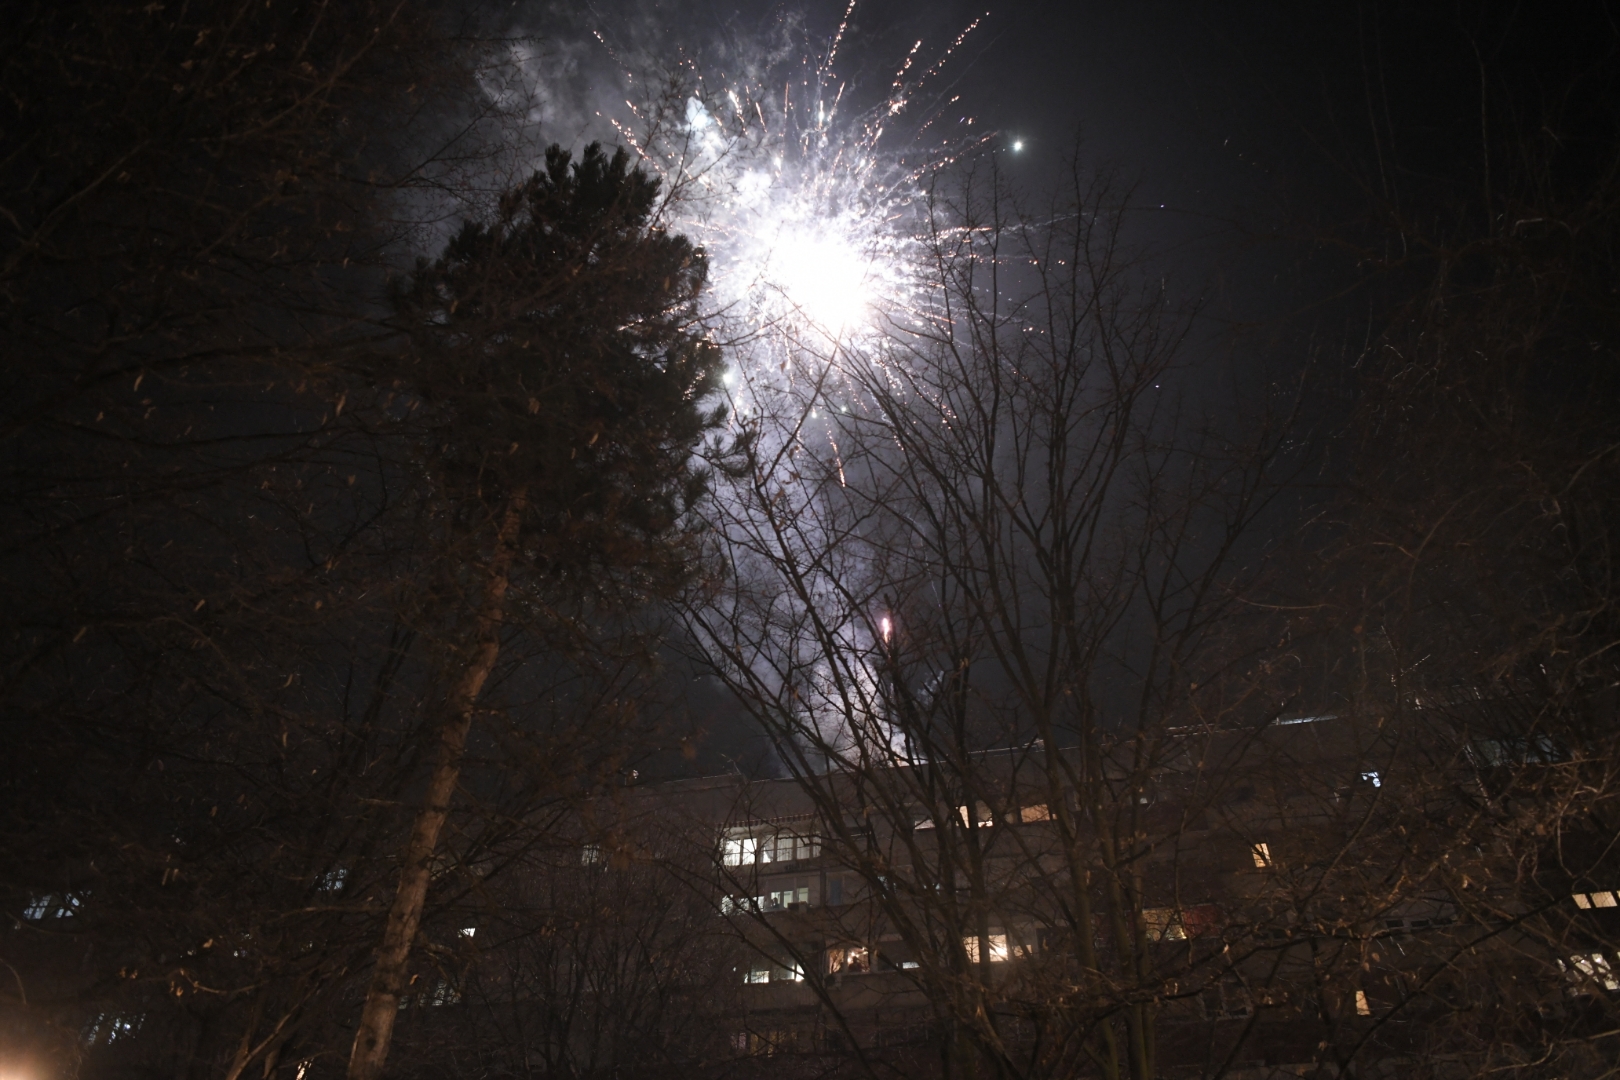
(1018, 144)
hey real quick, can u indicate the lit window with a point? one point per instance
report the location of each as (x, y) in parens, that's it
(1363, 1006)
(332, 881)
(997, 952)
(1585, 970)
(1595, 900)
(779, 899)
(1162, 924)
(1372, 777)
(590, 854)
(1035, 813)
(1262, 855)
(469, 931)
(763, 971)
(745, 847)
(53, 906)
(849, 960)
(985, 820)
(787, 847)
(790, 893)
(739, 850)
(109, 1028)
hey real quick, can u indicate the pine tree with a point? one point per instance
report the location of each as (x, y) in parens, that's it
(563, 385)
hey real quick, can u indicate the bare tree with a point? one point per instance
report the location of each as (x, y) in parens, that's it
(1455, 598)
(594, 957)
(198, 205)
(1469, 574)
(989, 572)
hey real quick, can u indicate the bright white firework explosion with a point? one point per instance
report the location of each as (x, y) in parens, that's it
(810, 209)
(813, 212)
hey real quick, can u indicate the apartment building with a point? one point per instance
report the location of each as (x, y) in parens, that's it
(1316, 896)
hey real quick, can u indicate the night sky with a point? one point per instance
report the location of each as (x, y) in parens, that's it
(1255, 135)
(1251, 132)
(294, 527)
(1217, 107)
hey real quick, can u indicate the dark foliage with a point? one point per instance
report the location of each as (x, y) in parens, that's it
(555, 351)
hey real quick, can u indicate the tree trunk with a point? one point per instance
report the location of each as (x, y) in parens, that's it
(371, 1041)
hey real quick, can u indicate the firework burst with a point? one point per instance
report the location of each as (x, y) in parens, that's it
(811, 208)
(809, 193)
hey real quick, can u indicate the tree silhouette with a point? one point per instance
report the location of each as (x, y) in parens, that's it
(563, 382)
